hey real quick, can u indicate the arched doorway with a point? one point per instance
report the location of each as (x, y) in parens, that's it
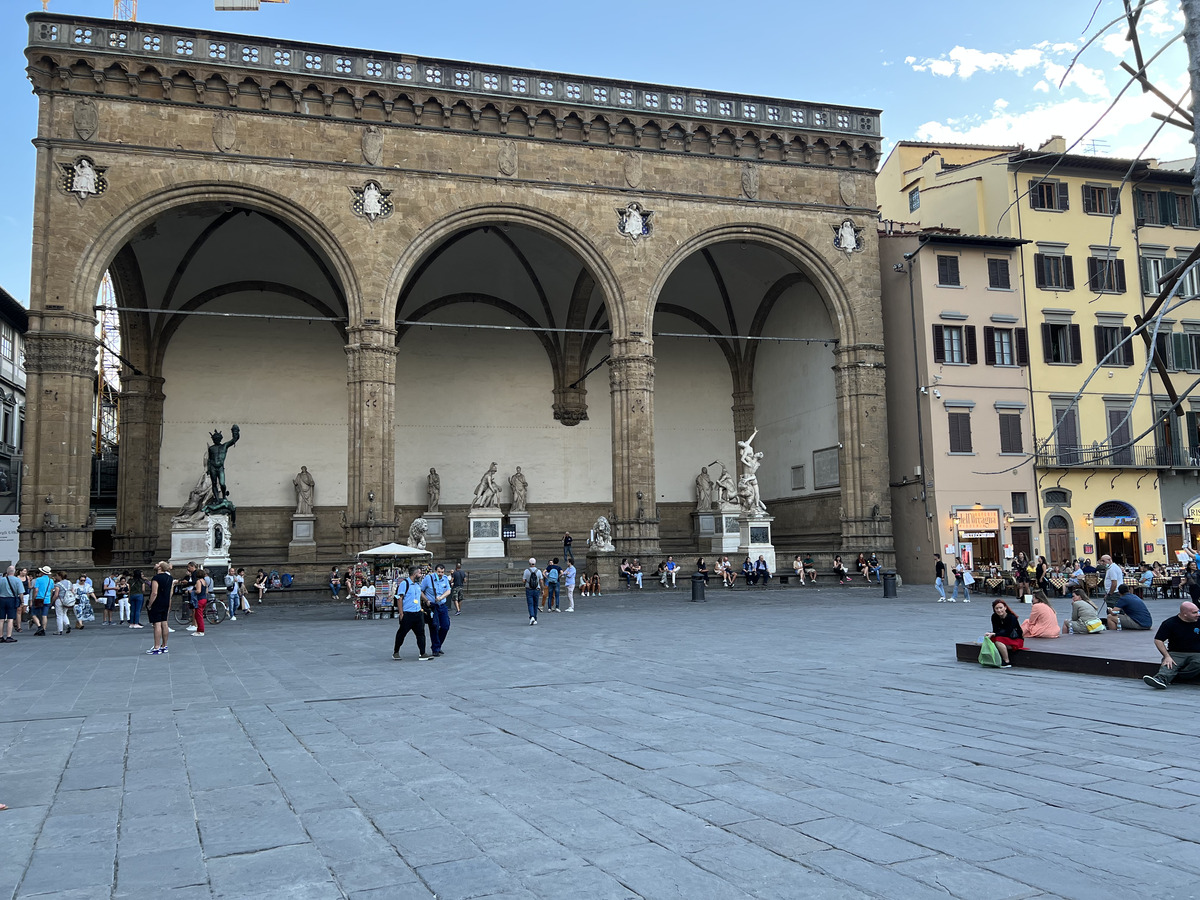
(1058, 539)
(1117, 532)
(229, 314)
(502, 335)
(766, 364)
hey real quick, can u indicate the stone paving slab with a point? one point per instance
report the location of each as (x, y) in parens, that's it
(816, 744)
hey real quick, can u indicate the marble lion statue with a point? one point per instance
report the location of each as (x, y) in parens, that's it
(602, 537)
(416, 533)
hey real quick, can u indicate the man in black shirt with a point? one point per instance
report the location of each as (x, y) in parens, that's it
(939, 577)
(1178, 640)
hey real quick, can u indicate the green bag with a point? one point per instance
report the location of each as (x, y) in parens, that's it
(988, 654)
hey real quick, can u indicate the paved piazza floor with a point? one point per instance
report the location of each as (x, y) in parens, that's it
(790, 745)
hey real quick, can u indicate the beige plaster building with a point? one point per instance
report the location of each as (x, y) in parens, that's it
(958, 399)
(376, 264)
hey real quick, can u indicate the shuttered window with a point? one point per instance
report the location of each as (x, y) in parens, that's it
(1045, 194)
(1061, 344)
(998, 274)
(1109, 337)
(960, 432)
(1053, 272)
(1010, 433)
(948, 271)
(1106, 275)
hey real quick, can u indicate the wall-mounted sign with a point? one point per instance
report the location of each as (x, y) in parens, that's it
(978, 520)
(1148, 548)
(1088, 549)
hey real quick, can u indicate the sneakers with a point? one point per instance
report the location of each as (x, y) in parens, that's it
(1006, 665)
(198, 634)
(137, 626)
(191, 628)
(153, 651)
(533, 620)
(458, 612)
(438, 653)
(424, 658)
(170, 630)
(966, 599)
(941, 599)
(1155, 682)
(233, 618)
(570, 609)
(396, 655)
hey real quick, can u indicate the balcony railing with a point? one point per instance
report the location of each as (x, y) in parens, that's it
(1104, 456)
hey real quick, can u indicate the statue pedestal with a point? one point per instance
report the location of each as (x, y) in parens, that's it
(607, 564)
(519, 545)
(703, 527)
(483, 528)
(726, 534)
(755, 539)
(303, 546)
(435, 537)
(206, 543)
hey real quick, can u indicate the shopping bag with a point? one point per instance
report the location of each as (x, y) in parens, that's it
(968, 578)
(1095, 625)
(988, 654)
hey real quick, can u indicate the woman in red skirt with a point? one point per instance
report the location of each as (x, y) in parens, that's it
(1006, 632)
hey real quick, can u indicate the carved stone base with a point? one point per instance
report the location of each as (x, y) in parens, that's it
(755, 539)
(483, 530)
(303, 546)
(726, 534)
(519, 546)
(607, 565)
(207, 544)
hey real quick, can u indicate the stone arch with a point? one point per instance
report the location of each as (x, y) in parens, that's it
(829, 286)
(140, 212)
(566, 234)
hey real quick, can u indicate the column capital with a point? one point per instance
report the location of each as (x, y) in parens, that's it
(60, 354)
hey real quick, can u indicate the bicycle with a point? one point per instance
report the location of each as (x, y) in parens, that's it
(215, 611)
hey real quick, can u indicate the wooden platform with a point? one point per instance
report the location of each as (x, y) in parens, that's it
(1122, 654)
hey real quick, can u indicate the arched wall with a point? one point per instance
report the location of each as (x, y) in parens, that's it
(468, 397)
(282, 381)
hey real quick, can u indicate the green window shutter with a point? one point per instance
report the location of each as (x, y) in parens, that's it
(1182, 348)
(1064, 196)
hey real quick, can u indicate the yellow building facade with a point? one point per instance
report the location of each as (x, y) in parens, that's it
(1102, 451)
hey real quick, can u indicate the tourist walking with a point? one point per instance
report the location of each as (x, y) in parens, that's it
(64, 603)
(435, 591)
(10, 599)
(553, 574)
(532, 578)
(458, 584)
(200, 593)
(84, 597)
(240, 579)
(569, 574)
(568, 556)
(960, 578)
(939, 577)
(231, 586)
(162, 586)
(39, 600)
(408, 595)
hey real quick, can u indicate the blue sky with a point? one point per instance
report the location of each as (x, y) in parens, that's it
(969, 71)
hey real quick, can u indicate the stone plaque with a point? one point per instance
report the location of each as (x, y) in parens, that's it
(194, 545)
(86, 118)
(825, 468)
(302, 530)
(633, 169)
(485, 528)
(224, 130)
(760, 534)
(508, 158)
(731, 525)
(372, 145)
(750, 181)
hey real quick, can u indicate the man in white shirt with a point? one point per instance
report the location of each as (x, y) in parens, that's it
(1114, 576)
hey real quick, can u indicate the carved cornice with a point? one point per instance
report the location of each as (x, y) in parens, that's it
(46, 353)
(226, 70)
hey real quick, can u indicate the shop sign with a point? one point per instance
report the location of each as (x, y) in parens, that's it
(979, 520)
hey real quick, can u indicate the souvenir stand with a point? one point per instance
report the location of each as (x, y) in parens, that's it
(373, 575)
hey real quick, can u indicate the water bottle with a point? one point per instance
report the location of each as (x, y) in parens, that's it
(1118, 623)
(1070, 628)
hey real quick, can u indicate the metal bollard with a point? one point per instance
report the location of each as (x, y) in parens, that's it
(698, 588)
(889, 582)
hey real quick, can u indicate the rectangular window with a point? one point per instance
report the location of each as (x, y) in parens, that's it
(1044, 194)
(6, 344)
(1119, 436)
(998, 346)
(1020, 503)
(1010, 433)
(1061, 344)
(1147, 207)
(1100, 199)
(1053, 272)
(998, 274)
(960, 432)
(948, 270)
(1107, 339)
(1190, 281)
(1185, 351)
(955, 344)
(1170, 449)
(1106, 275)
(1176, 209)
(914, 199)
(1153, 269)
(1066, 434)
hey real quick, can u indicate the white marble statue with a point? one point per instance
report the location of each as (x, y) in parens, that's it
(84, 180)
(487, 492)
(601, 540)
(520, 491)
(416, 533)
(304, 485)
(192, 511)
(372, 207)
(704, 490)
(725, 488)
(748, 493)
(434, 490)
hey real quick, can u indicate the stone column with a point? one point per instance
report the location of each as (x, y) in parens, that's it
(635, 520)
(862, 430)
(60, 365)
(141, 415)
(371, 381)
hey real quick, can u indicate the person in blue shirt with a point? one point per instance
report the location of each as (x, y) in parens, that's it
(435, 592)
(408, 595)
(1130, 611)
(39, 602)
(553, 574)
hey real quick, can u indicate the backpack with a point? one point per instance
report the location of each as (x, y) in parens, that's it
(533, 582)
(286, 580)
(552, 575)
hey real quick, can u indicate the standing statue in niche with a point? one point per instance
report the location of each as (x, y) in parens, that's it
(704, 490)
(434, 490)
(304, 485)
(520, 491)
(748, 493)
(487, 492)
(725, 489)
